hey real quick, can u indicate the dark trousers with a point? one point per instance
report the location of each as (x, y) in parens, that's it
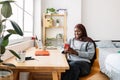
(77, 69)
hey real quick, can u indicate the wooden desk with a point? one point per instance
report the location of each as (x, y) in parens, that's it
(55, 63)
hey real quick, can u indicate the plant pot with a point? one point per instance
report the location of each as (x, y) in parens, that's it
(57, 24)
(6, 74)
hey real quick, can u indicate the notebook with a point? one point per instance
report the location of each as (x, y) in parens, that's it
(41, 53)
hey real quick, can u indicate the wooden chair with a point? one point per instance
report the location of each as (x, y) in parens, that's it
(95, 67)
(99, 76)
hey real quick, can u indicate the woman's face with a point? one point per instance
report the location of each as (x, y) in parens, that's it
(77, 33)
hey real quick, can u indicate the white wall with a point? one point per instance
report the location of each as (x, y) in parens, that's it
(37, 18)
(73, 9)
(102, 18)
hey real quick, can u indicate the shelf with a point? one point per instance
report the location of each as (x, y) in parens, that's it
(51, 47)
(50, 29)
(55, 14)
(54, 27)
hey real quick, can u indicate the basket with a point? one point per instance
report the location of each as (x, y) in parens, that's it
(48, 22)
(6, 74)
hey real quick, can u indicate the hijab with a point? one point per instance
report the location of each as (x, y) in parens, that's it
(85, 38)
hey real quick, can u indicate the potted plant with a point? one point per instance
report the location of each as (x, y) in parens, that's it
(50, 10)
(6, 12)
(57, 22)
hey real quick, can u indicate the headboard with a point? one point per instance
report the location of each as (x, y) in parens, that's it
(107, 43)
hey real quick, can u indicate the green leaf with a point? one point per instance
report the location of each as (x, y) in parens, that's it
(1, 28)
(52, 9)
(9, 64)
(16, 28)
(15, 54)
(2, 49)
(6, 9)
(2, 2)
(5, 40)
(4, 20)
(1, 61)
(7, 36)
(11, 31)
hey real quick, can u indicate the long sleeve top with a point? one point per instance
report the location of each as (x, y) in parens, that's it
(85, 50)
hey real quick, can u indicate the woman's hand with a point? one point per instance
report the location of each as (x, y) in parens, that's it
(71, 51)
(66, 50)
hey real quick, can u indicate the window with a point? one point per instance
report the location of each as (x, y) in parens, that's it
(23, 15)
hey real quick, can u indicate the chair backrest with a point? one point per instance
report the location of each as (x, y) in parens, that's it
(97, 53)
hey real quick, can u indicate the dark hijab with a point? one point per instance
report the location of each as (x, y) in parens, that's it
(85, 38)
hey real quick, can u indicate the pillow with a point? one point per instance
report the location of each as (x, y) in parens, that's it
(117, 44)
(105, 44)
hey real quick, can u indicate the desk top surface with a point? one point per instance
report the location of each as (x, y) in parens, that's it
(55, 60)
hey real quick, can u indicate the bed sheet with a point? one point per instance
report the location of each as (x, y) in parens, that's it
(109, 64)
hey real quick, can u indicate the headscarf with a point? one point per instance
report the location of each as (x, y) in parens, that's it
(82, 28)
(85, 38)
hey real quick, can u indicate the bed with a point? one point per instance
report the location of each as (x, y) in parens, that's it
(109, 57)
(109, 62)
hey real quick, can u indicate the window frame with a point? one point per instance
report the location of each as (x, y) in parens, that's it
(19, 38)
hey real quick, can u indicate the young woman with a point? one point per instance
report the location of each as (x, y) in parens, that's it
(80, 54)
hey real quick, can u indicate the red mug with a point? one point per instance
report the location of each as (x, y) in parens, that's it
(66, 46)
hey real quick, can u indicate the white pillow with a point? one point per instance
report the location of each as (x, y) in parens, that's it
(105, 44)
(117, 44)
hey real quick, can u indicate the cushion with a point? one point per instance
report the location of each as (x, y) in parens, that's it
(105, 44)
(117, 44)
